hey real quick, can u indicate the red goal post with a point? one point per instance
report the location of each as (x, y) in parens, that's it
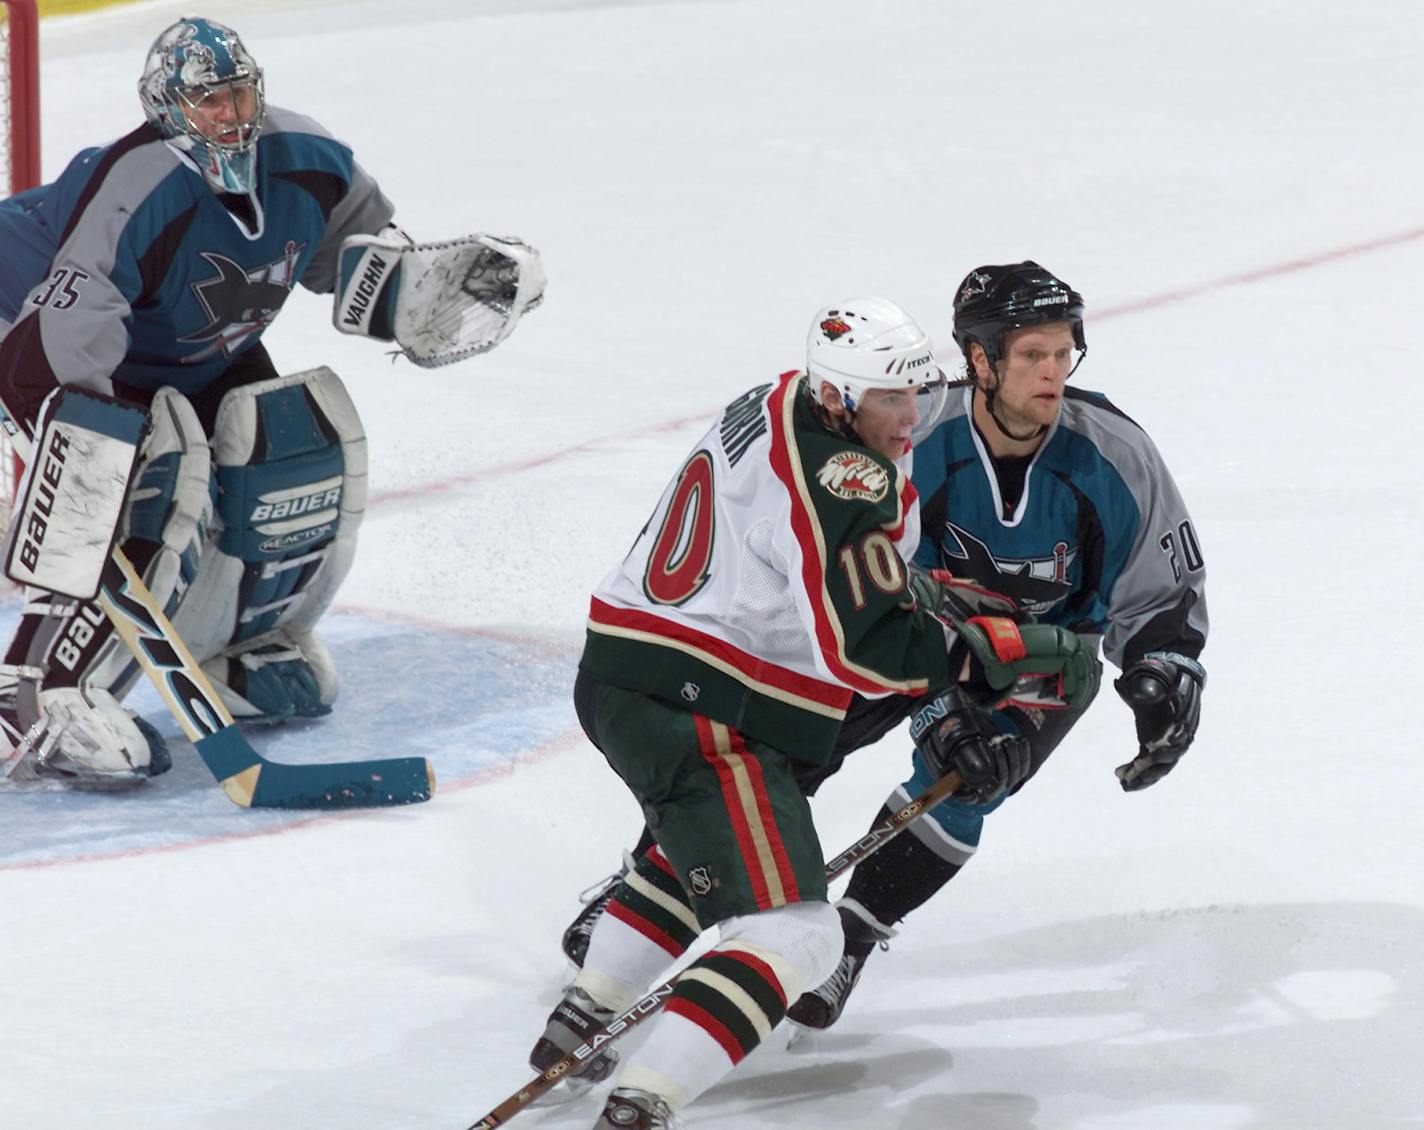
(19, 137)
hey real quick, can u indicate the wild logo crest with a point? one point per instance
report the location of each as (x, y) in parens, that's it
(854, 476)
(834, 328)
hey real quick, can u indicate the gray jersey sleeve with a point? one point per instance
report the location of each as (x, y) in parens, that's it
(363, 211)
(1155, 577)
(80, 308)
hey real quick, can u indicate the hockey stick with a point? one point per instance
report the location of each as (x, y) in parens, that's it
(655, 998)
(248, 779)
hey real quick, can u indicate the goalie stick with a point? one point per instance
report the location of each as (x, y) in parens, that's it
(248, 778)
(655, 998)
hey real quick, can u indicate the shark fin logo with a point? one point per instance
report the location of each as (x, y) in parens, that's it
(1035, 583)
(239, 302)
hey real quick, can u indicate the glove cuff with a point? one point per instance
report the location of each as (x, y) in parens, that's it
(1184, 663)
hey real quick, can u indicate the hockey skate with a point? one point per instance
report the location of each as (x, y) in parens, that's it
(82, 741)
(596, 900)
(576, 1018)
(823, 1005)
(628, 1109)
(292, 676)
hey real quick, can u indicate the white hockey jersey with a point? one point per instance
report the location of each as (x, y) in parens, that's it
(769, 583)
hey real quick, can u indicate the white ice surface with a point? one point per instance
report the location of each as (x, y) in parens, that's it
(1235, 187)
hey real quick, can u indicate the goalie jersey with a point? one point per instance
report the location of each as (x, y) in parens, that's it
(769, 585)
(129, 272)
(1096, 538)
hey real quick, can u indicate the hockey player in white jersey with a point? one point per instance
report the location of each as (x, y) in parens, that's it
(767, 587)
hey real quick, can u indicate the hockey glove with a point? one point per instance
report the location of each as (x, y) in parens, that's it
(1000, 653)
(954, 600)
(1164, 691)
(440, 302)
(955, 734)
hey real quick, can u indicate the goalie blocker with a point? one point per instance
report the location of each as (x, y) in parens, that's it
(440, 302)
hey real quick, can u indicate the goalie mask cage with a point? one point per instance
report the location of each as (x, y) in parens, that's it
(19, 140)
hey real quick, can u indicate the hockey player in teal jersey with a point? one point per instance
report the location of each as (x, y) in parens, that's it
(722, 651)
(1056, 499)
(144, 277)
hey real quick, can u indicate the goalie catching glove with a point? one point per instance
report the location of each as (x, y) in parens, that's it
(954, 734)
(440, 302)
(1164, 691)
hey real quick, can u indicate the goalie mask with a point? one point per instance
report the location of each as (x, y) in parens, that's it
(867, 343)
(202, 91)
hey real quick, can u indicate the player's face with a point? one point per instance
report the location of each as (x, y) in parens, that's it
(223, 113)
(884, 419)
(1034, 369)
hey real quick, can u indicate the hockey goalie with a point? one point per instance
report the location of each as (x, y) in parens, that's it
(134, 293)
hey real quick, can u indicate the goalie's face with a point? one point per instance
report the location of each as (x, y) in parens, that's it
(225, 114)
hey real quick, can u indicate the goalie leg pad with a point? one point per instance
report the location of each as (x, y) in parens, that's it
(71, 499)
(167, 520)
(290, 457)
(65, 645)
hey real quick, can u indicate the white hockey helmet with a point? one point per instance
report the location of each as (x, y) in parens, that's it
(866, 343)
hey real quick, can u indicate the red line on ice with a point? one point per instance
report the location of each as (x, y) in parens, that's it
(1246, 278)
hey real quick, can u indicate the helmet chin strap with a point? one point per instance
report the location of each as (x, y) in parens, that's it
(845, 424)
(989, 394)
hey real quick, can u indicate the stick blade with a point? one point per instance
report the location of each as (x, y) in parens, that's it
(348, 784)
(251, 781)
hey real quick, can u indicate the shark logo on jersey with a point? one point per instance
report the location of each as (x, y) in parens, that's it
(241, 303)
(1035, 583)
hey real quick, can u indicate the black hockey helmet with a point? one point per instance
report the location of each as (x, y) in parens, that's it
(993, 300)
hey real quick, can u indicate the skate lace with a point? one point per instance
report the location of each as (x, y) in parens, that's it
(837, 985)
(596, 899)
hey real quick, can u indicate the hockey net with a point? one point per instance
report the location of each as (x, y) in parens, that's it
(19, 145)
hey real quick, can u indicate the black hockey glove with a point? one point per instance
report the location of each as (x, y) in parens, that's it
(953, 733)
(1000, 653)
(1164, 691)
